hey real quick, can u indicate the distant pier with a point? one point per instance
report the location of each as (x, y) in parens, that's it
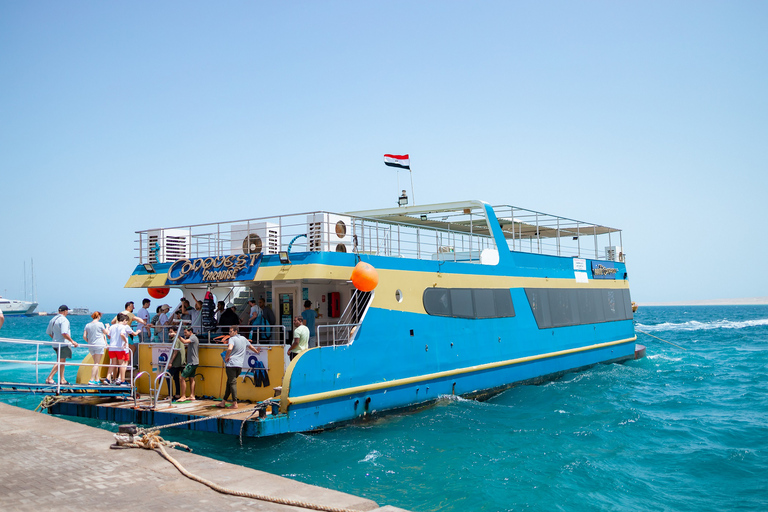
(48, 462)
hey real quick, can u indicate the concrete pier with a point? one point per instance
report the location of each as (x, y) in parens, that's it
(48, 462)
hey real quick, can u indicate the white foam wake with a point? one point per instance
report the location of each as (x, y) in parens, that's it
(693, 325)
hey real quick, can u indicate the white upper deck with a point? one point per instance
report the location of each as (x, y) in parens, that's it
(457, 231)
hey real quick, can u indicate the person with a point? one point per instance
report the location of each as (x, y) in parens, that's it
(234, 360)
(269, 317)
(144, 332)
(300, 337)
(255, 319)
(177, 362)
(192, 344)
(228, 317)
(128, 311)
(94, 335)
(119, 351)
(186, 309)
(162, 323)
(154, 323)
(219, 310)
(197, 316)
(58, 330)
(131, 317)
(310, 315)
(2, 318)
(176, 319)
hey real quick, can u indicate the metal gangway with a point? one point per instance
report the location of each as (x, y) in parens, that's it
(37, 359)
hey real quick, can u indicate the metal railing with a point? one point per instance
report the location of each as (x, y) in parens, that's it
(542, 233)
(444, 235)
(264, 333)
(313, 231)
(58, 384)
(334, 335)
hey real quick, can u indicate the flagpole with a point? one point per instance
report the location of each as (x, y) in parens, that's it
(412, 194)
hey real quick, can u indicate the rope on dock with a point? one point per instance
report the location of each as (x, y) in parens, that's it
(665, 341)
(151, 440)
(49, 401)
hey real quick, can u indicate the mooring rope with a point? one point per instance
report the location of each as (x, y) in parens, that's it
(204, 418)
(665, 341)
(242, 423)
(49, 401)
(151, 440)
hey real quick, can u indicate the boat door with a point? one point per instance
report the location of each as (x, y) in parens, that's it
(286, 315)
(286, 296)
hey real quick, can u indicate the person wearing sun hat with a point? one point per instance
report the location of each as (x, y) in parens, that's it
(58, 330)
(163, 322)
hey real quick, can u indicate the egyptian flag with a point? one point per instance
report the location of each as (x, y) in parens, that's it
(401, 161)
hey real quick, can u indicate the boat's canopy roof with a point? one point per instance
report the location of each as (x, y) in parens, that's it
(463, 216)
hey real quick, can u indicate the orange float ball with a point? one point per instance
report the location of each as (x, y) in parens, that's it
(364, 277)
(158, 293)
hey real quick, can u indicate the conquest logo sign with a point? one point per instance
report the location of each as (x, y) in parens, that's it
(242, 267)
(603, 270)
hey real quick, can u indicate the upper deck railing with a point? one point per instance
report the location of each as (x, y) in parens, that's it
(439, 233)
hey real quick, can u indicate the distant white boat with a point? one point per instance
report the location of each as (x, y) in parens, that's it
(80, 311)
(11, 307)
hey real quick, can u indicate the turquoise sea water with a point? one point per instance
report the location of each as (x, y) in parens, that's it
(678, 430)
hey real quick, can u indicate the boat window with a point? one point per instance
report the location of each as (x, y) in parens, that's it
(566, 307)
(461, 303)
(437, 301)
(469, 302)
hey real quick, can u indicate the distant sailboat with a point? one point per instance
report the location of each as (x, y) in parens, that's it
(11, 307)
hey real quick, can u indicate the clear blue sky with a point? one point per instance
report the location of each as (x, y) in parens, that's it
(123, 116)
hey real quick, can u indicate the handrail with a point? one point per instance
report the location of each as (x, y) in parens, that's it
(37, 362)
(167, 365)
(134, 386)
(346, 334)
(158, 386)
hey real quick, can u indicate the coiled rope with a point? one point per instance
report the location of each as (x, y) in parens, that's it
(150, 440)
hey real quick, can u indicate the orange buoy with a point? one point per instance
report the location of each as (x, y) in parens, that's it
(158, 293)
(364, 277)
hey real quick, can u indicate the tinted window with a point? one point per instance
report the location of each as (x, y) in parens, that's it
(469, 302)
(563, 307)
(437, 301)
(461, 303)
(503, 302)
(485, 306)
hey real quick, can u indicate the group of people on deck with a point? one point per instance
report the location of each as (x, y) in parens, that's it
(119, 340)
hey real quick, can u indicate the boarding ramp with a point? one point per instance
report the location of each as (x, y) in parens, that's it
(26, 359)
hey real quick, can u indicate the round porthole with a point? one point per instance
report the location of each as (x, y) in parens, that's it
(341, 229)
(399, 296)
(341, 248)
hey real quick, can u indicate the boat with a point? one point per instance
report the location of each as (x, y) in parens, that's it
(11, 307)
(471, 299)
(80, 311)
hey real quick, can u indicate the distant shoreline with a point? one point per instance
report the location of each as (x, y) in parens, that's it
(751, 301)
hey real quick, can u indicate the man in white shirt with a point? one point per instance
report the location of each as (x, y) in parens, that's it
(300, 338)
(143, 313)
(58, 330)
